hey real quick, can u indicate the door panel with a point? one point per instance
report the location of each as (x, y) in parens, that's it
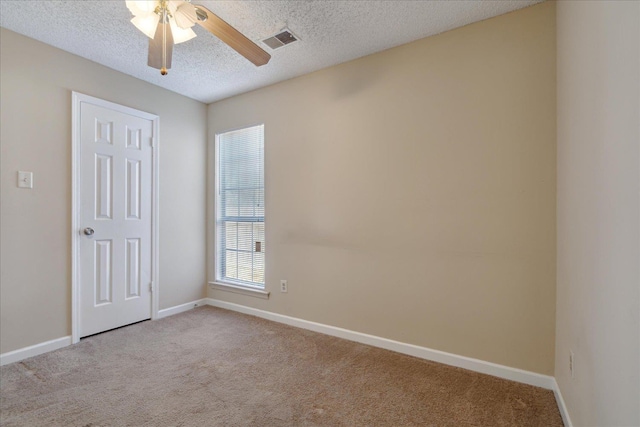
(115, 202)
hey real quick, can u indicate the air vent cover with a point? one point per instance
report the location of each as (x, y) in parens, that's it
(281, 39)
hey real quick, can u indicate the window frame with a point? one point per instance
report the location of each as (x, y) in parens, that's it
(220, 280)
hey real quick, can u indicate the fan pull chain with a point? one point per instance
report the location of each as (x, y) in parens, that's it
(163, 70)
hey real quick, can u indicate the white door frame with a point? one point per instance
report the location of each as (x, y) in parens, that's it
(77, 99)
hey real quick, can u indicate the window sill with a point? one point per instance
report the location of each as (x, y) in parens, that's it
(258, 293)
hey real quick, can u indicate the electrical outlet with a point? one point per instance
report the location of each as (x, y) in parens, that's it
(571, 364)
(283, 286)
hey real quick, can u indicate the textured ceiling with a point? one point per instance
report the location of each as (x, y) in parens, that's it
(330, 32)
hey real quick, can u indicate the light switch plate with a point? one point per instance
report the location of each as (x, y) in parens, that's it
(25, 179)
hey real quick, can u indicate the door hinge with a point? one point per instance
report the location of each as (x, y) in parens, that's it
(150, 286)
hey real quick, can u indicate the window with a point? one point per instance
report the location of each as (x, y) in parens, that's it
(240, 243)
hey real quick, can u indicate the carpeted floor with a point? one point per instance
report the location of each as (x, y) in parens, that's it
(212, 367)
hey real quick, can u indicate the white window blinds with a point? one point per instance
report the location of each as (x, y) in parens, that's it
(240, 243)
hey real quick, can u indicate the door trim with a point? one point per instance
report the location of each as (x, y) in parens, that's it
(77, 99)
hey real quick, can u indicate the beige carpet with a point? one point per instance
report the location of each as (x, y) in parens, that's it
(212, 367)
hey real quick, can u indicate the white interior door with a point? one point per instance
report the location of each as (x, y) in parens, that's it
(114, 216)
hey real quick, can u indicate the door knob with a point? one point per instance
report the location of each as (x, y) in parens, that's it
(88, 231)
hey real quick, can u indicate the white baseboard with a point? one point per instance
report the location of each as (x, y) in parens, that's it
(471, 364)
(180, 308)
(33, 350)
(475, 365)
(45, 347)
(561, 405)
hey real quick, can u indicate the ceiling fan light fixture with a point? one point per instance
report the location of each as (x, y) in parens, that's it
(185, 15)
(146, 23)
(174, 5)
(142, 7)
(180, 35)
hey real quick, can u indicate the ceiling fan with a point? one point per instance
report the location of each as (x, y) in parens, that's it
(169, 22)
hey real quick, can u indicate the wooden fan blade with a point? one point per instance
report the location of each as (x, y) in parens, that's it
(234, 38)
(156, 48)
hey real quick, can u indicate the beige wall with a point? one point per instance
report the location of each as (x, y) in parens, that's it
(598, 283)
(36, 81)
(411, 193)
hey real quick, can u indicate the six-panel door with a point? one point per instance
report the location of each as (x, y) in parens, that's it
(115, 203)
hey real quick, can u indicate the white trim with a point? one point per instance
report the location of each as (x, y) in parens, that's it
(476, 365)
(155, 217)
(75, 213)
(166, 312)
(45, 347)
(213, 190)
(243, 290)
(77, 99)
(564, 412)
(34, 350)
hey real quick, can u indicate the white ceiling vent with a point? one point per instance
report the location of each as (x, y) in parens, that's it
(283, 38)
